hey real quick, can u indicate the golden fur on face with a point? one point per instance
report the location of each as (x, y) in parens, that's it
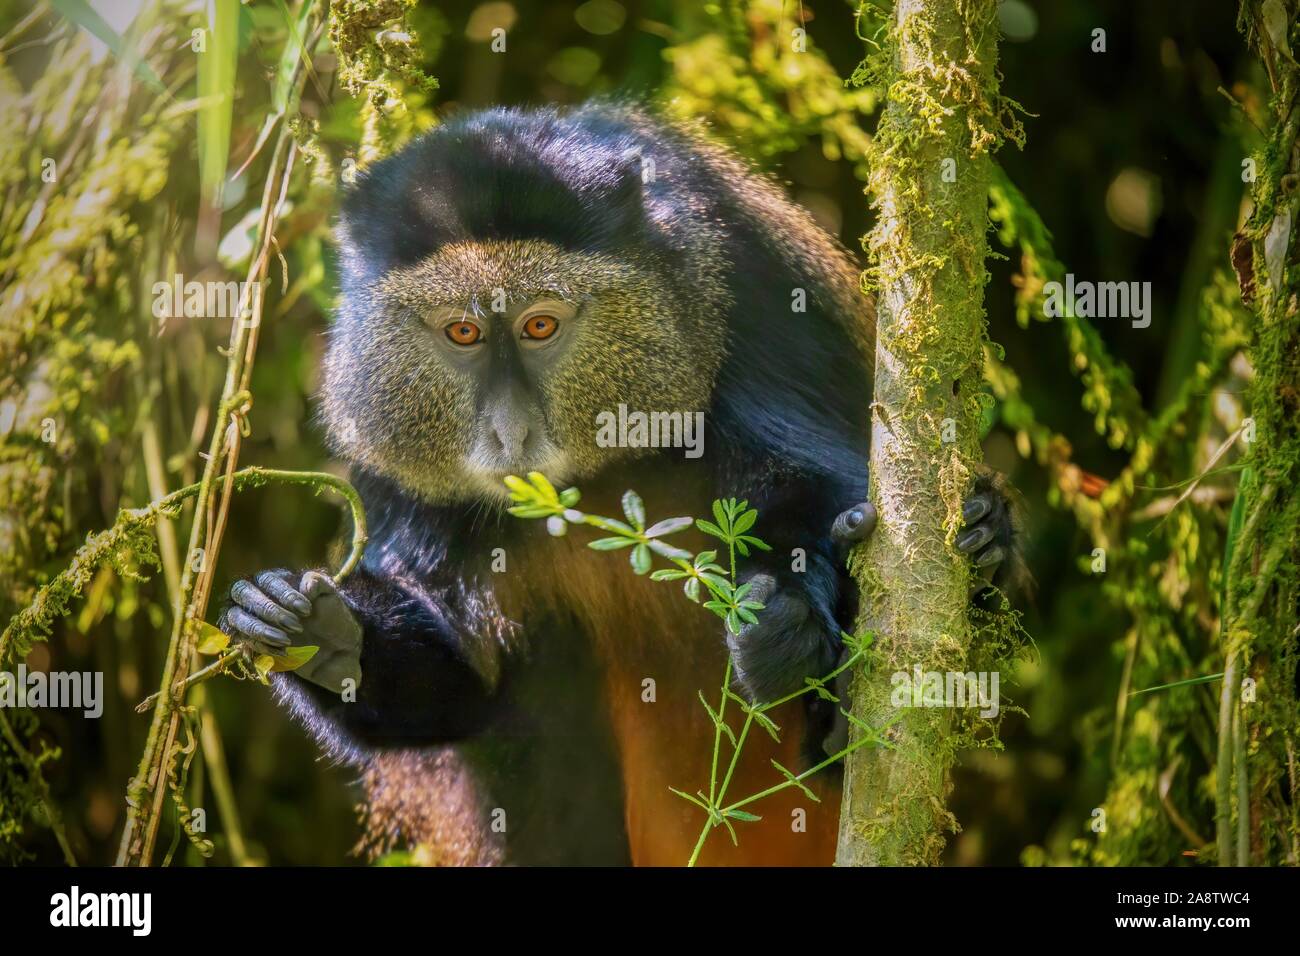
(394, 403)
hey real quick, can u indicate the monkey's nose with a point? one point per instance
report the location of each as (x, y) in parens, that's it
(511, 435)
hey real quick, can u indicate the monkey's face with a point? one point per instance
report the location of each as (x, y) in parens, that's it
(496, 358)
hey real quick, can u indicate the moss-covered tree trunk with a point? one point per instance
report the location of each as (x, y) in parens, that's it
(929, 186)
(1256, 792)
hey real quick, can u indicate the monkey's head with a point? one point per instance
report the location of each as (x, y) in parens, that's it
(506, 279)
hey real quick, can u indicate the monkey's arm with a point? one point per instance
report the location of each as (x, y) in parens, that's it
(397, 665)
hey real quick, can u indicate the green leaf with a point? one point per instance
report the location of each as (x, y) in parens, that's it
(530, 511)
(264, 665)
(721, 583)
(708, 527)
(713, 716)
(756, 542)
(744, 522)
(667, 574)
(610, 544)
(211, 640)
(857, 643)
(719, 513)
(570, 497)
(767, 724)
(692, 589)
(216, 87)
(742, 815)
(609, 524)
(543, 485)
(797, 782)
(668, 526)
(668, 551)
(819, 687)
(294, 50)
(83, 15)
(640, 559)
(294, 657)
(1207, 679)
(686, 796)
(519, 487)
(740, 546)
(718, 608)
(634, 509)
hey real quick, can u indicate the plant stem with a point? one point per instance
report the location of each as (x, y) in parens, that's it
(217, 667)
(1223, 766)
(799, 778)
(144, 816)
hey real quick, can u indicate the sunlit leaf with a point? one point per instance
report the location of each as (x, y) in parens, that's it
(294, 657)
(216, 84)
(640, 559)
(264, 664)
(634, 509)
(211, 639)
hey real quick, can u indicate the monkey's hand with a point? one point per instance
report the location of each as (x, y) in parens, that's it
(279, 609)
(798, 635)
(989, 533)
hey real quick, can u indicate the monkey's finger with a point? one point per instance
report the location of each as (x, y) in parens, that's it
(986, 564)
(976, 507)
(315, 586)
(854, 525)
(974, 539)
(249, 626)
(761, 587)
(283, 592)
(250, 598)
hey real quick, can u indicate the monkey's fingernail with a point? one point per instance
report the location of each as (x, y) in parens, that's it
(989, 557)
(301, 605)
(975, 508)
(975, 539)
(291, 624)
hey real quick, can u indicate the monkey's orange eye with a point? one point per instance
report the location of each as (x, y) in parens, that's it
(464, 333)
(540, 326)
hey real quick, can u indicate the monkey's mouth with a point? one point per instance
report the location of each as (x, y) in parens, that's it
(488, 470)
